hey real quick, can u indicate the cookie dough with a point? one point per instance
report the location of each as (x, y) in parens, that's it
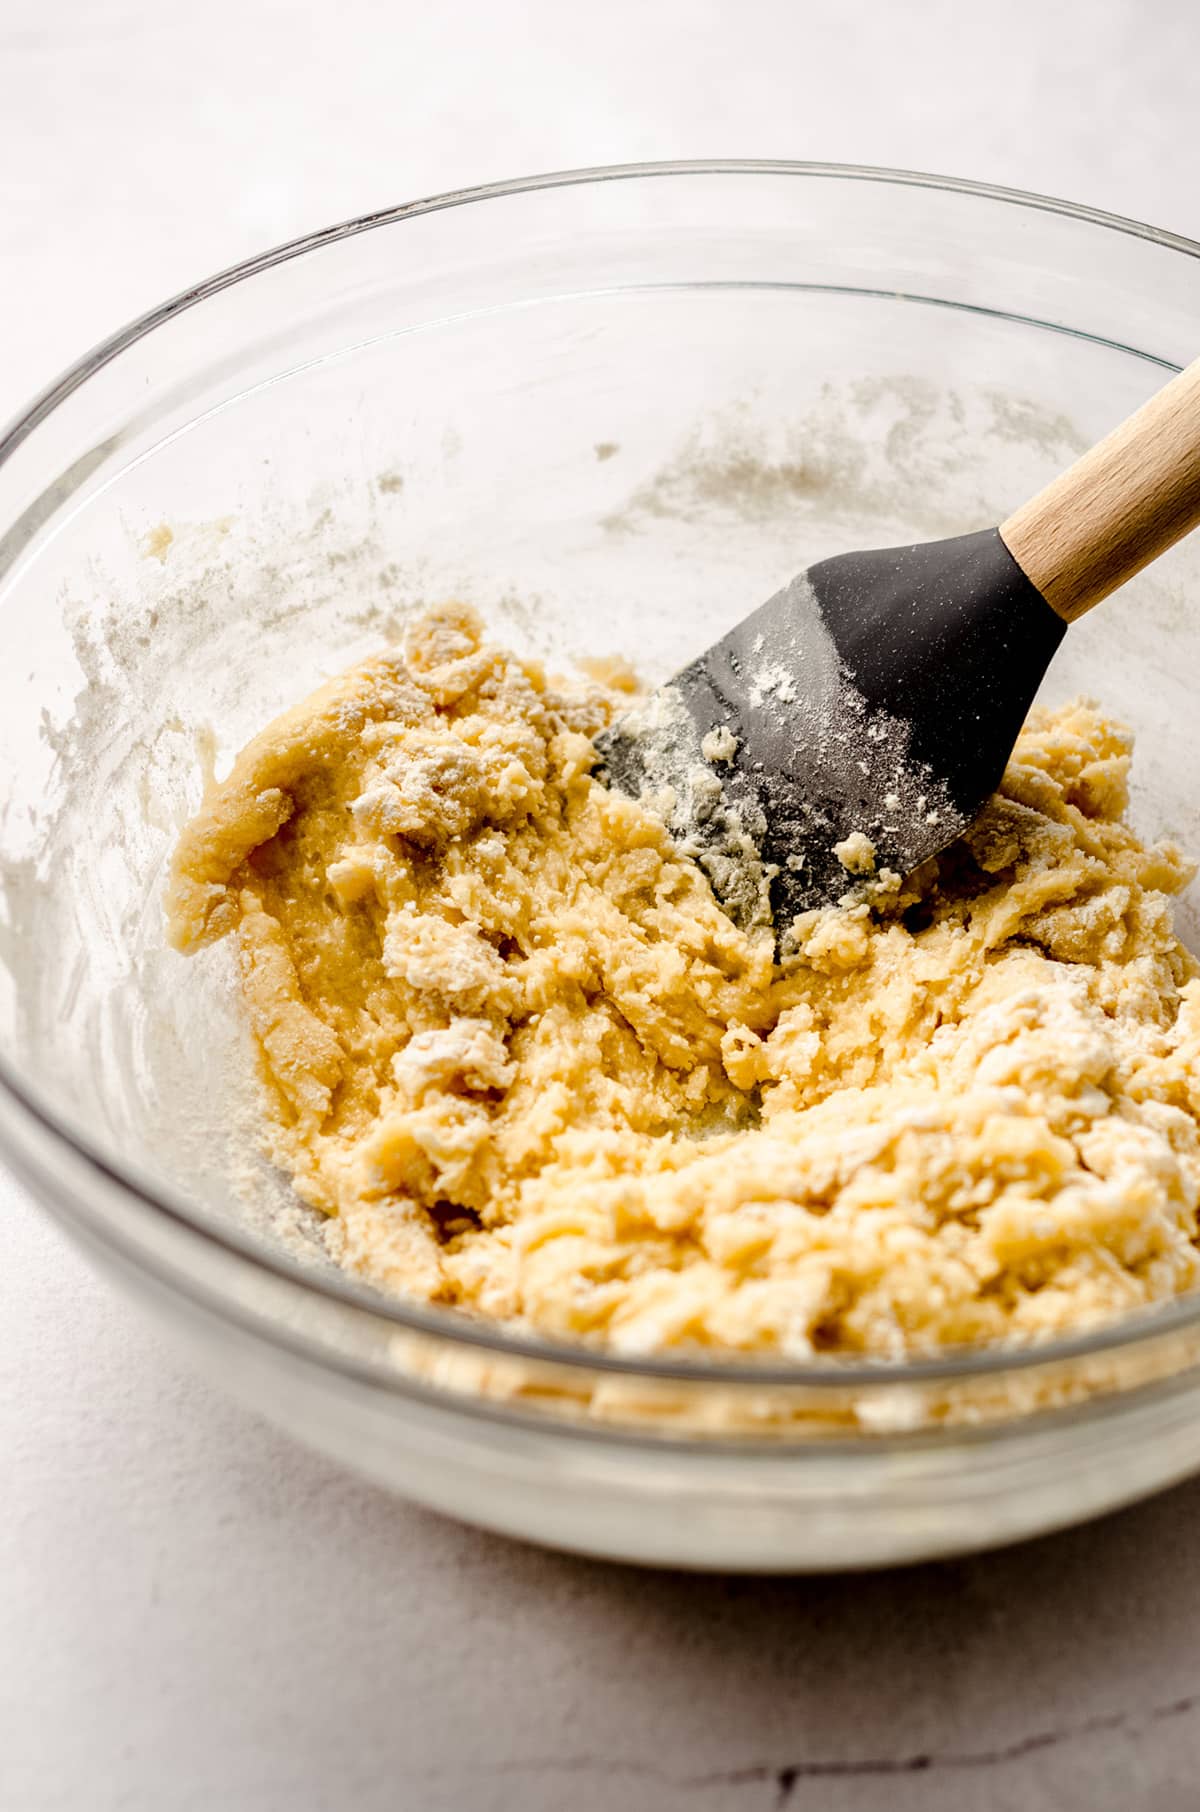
(514, 1049)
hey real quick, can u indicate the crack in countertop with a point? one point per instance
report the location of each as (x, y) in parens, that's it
(787, 1777)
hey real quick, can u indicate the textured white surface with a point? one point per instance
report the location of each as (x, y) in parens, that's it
(193, 1613)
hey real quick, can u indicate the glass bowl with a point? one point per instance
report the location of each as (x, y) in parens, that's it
(614, 409)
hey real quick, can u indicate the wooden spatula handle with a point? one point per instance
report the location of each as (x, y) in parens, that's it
(1118, 507)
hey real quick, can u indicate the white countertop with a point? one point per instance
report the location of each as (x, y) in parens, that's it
(194, 1613)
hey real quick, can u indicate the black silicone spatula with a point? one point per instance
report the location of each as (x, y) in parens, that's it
(858, 721)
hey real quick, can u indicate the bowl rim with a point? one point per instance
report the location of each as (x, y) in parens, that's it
(454, 1326)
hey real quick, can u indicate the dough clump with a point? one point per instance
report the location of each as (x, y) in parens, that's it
(513, 1047)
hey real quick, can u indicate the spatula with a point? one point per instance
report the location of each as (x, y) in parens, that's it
(857, 722)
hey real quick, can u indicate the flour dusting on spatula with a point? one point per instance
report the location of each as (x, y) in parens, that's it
(771, 768)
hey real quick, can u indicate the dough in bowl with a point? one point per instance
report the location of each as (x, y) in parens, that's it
(513, 1048)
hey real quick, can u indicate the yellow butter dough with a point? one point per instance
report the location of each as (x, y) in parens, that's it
(512, 1044)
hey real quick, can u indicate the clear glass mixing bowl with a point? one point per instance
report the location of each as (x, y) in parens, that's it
(614, 409)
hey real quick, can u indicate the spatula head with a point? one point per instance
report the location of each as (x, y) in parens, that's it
(856, 723)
